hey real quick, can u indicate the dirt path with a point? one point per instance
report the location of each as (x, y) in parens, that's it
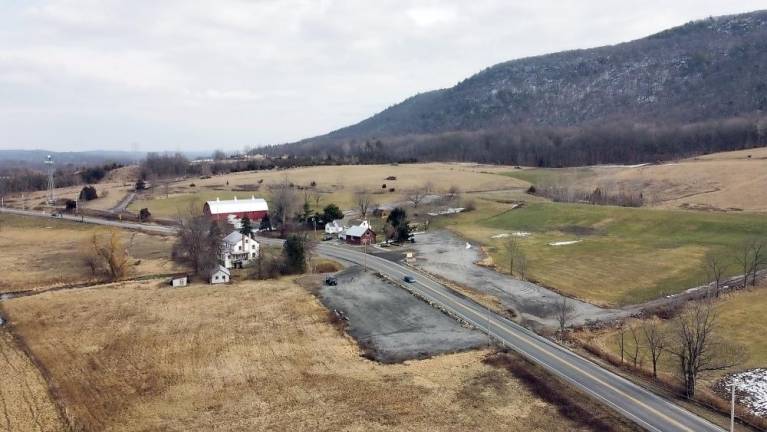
(124, 203)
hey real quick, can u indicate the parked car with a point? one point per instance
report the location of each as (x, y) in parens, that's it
(409, 279)
(330, 280)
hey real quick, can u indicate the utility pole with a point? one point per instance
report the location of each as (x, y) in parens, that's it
(732, 410)
(365, 255)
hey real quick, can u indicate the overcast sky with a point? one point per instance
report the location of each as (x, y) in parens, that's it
(199, 75)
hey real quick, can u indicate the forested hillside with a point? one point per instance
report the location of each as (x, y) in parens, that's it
(692, 89)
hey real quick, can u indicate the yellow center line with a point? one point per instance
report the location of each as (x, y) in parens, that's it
(542, 349)
(567, 363)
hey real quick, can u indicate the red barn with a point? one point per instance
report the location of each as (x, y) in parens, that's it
(360, 234)
(254, 208)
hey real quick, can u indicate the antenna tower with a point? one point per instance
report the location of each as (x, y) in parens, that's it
(51, 184)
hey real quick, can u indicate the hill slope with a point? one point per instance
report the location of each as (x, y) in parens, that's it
(700, 72)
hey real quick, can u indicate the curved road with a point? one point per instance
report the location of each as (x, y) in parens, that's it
(647, 409)
(640, 405)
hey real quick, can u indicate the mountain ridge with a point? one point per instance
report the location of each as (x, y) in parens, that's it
(707, 70)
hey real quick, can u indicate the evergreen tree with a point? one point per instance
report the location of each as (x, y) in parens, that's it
(266, 223)
(294, 252)
(246, 227)
(397, 219)
(331, 212)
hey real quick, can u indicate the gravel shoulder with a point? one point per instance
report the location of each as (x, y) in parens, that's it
(444, 254)
(392, 325)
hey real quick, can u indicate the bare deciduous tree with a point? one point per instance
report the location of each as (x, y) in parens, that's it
(284, 204)
(654, 341)
(521, 265)
(715, 271)
(362, 198)
(637, 345)
(416, 196)
(453, 193)
(316, 197)
(198, 241)
(751, 257)
(514, 249)
(622, 340)
(565, 312)
(696, 346)
(111, 253)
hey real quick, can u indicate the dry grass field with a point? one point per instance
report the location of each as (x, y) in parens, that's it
(41, 253)
(251, 356)
(25, 404)
(737, 321)
(335, 184)
(729, 181)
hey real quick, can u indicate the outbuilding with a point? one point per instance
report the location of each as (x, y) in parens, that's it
(220, 210)
(360, 234)
(220, 275)
(180, 281)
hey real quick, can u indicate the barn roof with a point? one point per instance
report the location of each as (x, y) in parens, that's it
(237, 206)
(358, 230)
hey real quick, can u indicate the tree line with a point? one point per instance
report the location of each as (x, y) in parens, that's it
(621, 141)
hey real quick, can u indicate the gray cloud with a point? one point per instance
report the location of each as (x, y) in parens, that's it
(193, 74)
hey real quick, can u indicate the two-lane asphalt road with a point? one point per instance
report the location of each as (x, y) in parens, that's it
(647, 409)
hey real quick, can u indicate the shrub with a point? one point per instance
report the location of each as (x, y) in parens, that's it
(144, 215)
(88, 193)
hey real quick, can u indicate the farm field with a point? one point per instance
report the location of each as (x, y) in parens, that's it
(251, 356)
(729, 181)
(24, 399)
(622, 256)
(335, 184)
(736, 315)
(40, 253)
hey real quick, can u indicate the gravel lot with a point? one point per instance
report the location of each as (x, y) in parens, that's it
(392, 325)
(444, 254)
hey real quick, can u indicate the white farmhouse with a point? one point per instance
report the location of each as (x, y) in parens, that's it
(334, 228)
(237, 249)
(219, 276)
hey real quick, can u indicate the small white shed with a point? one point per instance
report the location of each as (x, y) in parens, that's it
(179, 281)
(220, 275)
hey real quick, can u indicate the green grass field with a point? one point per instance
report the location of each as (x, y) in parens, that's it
(550, 176)
(624, 255)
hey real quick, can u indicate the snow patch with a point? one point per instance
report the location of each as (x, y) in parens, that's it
(447, 211)
(564, 243)
(751, 387)
(515, 234)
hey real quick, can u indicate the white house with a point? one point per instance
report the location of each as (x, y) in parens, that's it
(334, 228)
(219, 276)
(237, 249)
